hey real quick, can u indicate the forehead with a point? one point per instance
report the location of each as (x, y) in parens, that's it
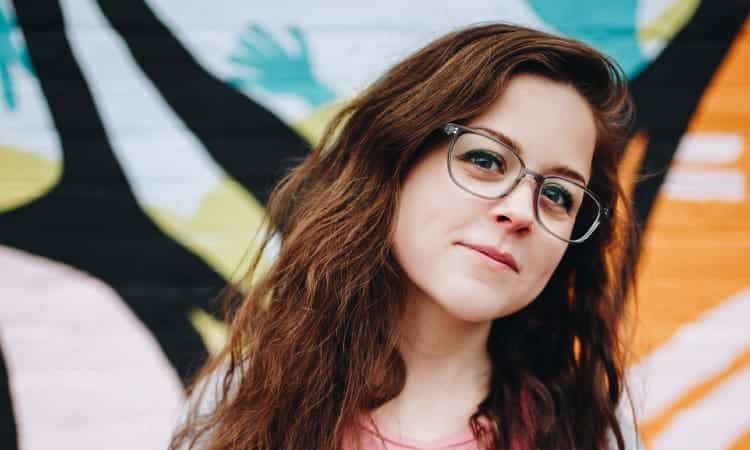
(550, 122)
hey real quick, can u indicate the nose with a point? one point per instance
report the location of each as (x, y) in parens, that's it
(515, 211)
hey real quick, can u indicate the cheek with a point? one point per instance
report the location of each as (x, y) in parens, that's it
(430, 206)
(424, 220)
(547, 259)
(431, 213)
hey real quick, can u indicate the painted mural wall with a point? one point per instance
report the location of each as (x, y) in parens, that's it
(139, 140)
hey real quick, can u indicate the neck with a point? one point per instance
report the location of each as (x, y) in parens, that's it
(437, 346)
(448, 370)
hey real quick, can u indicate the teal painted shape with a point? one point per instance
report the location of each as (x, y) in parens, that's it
(10, 54)
(609, 26)
(264, 64)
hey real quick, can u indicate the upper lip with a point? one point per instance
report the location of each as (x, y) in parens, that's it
(504, 257)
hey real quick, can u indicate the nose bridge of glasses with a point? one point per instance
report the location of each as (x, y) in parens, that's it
(526, 203)
(525, 172)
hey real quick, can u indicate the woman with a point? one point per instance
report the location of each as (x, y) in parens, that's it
(451, 273)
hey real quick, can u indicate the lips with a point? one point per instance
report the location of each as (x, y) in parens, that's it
(497, 255)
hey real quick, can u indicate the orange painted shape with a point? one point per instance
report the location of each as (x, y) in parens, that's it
(743, 443)
(696, 252)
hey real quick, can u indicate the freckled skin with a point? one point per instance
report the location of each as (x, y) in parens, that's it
(553, 125)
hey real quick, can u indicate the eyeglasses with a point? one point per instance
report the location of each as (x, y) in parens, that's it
(488, 168)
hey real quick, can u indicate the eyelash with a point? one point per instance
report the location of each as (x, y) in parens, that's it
(470, 155)
(567, 197)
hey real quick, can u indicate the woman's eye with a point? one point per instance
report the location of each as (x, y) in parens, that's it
(485, 160)
(558, 196)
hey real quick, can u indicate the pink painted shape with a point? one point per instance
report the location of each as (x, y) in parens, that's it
(84, 372)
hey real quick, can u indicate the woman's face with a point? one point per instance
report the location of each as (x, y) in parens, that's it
(440, 227)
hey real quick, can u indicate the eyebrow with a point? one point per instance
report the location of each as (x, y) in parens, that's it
(563, 171)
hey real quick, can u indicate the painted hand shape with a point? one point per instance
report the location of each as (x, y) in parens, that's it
(266, 65)
(11, 52)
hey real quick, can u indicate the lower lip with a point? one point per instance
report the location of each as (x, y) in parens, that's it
(490, 262)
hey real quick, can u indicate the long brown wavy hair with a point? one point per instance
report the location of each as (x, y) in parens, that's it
(313, 344)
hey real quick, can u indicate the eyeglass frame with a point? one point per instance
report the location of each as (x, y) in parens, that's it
(455, 130)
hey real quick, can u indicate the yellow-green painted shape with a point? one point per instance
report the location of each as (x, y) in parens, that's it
(223, 229)
(670, 22)
(223, 233)
(24, 177)
(212, 331)
(313, 126)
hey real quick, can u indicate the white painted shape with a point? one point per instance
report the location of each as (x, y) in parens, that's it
(715, 422)
(29, 127)
(709, 148)
(633, 440)
(351, 45)
(288, 107)
(695, 353)
(720, 185)
(326, 13)
(163, 161)
(652, 48)
(648, 11)
(84, 372)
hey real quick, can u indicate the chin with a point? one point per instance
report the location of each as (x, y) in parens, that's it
(478, 300)
(481, 309)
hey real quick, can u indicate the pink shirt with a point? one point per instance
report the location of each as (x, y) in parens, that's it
(370, 440)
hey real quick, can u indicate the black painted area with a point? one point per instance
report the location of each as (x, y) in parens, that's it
(669, 90)
(90, 220)
(251, 144)
(8, 434)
